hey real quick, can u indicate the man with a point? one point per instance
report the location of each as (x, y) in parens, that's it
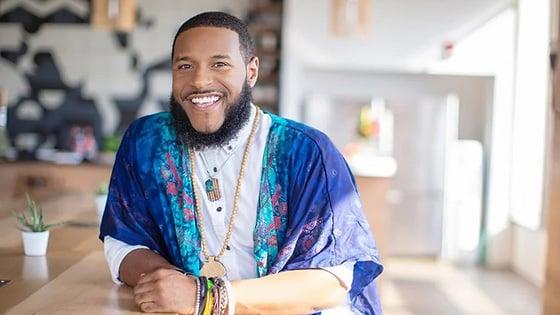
(264, 208)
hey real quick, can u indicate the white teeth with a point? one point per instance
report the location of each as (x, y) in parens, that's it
(204, 100)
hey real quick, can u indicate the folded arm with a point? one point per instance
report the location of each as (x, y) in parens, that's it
(298, 291)
(291, 292)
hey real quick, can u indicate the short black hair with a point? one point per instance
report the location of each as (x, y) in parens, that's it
(223, 20)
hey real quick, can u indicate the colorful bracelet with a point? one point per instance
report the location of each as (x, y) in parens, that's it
(209, 297)
(220, 290)
(214, 296)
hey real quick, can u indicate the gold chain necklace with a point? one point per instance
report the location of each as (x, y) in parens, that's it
(213, 267)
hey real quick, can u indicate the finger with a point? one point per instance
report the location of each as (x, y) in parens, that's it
(156, 275)
(144, 298)
(149, 307)
(145, 277)
(144, 287)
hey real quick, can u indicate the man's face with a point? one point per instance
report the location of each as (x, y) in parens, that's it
(208, 75)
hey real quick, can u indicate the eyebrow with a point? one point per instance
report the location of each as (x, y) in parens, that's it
(184, 58)
(221, 57)
(187, 58)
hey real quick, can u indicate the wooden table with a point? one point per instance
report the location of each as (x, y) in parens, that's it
(73, 278)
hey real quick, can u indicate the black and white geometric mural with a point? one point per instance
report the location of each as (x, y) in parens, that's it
(60, 71)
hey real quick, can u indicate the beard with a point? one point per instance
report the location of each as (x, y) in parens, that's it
(236, 116)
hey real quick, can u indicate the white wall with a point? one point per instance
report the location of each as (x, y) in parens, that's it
(480, 53)
(405, 36)
(531, 103)
(530, 124)
(529, 254)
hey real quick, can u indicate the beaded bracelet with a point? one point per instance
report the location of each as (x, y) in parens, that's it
(203, 295)
(197, 297)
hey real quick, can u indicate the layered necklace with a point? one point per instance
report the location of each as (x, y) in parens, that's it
(212, 266)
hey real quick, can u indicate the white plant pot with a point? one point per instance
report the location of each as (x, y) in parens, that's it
(100, 201)
(35, 243)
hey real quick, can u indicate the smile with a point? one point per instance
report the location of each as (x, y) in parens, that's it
(205, 102)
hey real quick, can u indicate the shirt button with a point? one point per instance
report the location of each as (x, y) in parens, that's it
(228, 248)
(219, 209)
(229, 147)
(215, 169)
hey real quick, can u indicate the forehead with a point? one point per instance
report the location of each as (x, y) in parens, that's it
(203, 41)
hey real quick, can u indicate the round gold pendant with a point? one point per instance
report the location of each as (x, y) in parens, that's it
(213, 269)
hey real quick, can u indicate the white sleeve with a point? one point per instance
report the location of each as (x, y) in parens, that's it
(115, 251)
(344, 273)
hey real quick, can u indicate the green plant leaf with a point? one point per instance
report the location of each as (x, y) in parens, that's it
(41, 222)
(31, 210)
(35, 222)
(48, 226)
(24, 225)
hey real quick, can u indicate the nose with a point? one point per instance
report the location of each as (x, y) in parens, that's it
(201, 79)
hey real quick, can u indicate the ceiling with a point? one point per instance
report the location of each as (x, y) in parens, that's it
(401, 31)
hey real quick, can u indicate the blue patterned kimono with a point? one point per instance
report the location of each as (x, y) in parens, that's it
(309, 214)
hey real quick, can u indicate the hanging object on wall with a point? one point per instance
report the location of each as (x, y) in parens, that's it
(118, 15)
(351, 18)
(447, 50)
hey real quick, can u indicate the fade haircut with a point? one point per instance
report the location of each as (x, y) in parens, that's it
(223, 20)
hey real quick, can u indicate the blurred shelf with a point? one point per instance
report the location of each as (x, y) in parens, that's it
(264, 20)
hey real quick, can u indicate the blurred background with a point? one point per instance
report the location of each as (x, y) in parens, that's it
(443, 109)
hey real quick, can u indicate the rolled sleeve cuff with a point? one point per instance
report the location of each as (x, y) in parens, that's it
(344, 273)
(115, 251)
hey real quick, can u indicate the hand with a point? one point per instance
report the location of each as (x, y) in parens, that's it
(165, 291)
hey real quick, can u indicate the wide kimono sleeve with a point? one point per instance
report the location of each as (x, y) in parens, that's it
(126, 216)
(326, 224)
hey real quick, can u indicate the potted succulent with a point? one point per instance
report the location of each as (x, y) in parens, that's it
(101, 199)
(34, 231)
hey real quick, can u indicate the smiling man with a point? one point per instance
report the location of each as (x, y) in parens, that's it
(218, 207)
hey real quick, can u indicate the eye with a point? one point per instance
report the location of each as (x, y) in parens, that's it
(184, 66)
(220, 64)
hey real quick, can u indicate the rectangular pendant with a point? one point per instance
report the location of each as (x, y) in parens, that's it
(213, 189)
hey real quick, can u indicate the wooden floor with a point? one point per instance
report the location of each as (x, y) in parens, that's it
(74, 279)
(417, 286)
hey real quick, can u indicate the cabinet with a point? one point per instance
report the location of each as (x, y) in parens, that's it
(45, 180)
(373, 195)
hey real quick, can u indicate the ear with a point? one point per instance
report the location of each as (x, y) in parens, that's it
(253, 71)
